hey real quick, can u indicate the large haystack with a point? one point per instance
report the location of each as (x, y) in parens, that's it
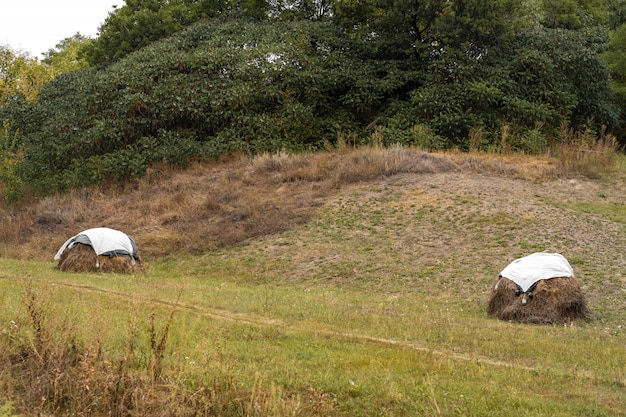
(82, 258)
(100, 249)
(553, 301)
(539, 288)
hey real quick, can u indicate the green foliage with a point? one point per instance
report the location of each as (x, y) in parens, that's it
(21, 75)
(140, 22)
(10, 156)
(301, 9)
(616, 61)
(615, 13)
(415, 29)
(66, 55)
(560, 69)
(541, 76)
(400, 29)
(475, 25)
(6, 410)
(561, 14)
(481, 65)
(575, 14)
(430, 74)
(255, 8)
(230, 85)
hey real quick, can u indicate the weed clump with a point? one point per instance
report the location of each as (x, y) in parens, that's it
(585, 153)
(48, 370)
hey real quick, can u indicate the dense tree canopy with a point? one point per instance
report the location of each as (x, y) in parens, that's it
(266, 75)
(66, 56)
(141, 22)
(221, 86)
(21, 75)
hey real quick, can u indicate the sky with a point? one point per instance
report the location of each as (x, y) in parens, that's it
(35, 26)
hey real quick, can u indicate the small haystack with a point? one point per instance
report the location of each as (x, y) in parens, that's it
(539, 288)
(100, 249)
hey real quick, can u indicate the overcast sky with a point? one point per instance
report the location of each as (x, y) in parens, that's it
(38, 25)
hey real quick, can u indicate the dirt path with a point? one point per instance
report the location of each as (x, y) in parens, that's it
(255, 320)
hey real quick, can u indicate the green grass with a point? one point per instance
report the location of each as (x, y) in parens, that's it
(374, 307)
(373, 350)
(615, 211)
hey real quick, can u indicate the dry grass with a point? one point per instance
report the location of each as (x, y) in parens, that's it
(207, 206)
(233, 202)
(227, 203)
(585, 154)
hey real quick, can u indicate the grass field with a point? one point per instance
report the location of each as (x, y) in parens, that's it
(371, 301)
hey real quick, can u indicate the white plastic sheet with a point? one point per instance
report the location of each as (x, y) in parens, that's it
(532, 268)
(102, 240)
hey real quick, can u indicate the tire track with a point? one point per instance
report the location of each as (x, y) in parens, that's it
(207, 312)
(261, 321)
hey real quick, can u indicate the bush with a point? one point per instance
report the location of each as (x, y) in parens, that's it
(234, 85)
(542, 76)
(220, 86)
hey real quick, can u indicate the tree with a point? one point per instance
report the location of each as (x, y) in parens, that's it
(576, 14)
(398, 29)
(416, 29)
(221, 85)
(546, 76)
(21, 75)
(616, 13)
(476, 26)
(615, 57)
(561, 14)
(255, 8)
(142, 22)
(21, 79)
(300, 9)
(67, 54)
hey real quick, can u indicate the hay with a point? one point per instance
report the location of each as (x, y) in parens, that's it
(554, 301)
(82, 258)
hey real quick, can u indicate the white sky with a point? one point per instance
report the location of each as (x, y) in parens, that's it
(38, 25)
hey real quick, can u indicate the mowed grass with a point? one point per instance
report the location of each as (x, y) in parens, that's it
(376, 306)
(371, 353)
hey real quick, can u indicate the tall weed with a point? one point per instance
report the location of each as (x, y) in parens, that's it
(50, 370)
(585, 153)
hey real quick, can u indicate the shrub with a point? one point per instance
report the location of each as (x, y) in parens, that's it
(220, 86)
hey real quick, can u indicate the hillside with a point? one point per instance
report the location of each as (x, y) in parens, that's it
(346, 283)
(492, 207)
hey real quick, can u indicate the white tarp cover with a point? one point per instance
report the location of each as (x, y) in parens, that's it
(103, 240)
(532, 268)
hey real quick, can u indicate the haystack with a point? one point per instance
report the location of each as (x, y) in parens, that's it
(539, 288)
(100, 249)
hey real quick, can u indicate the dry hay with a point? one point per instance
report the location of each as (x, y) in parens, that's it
(82, 258)
(554, 301)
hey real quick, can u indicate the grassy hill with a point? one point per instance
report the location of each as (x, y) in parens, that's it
(346, 283)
